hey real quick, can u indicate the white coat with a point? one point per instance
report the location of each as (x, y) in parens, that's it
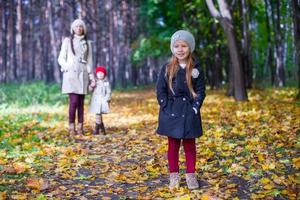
(100, 97)
(75, 73)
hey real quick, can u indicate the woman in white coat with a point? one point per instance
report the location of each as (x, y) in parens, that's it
(75, 59)
(100, 98)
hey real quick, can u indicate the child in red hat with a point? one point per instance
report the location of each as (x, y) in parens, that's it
(100, 98)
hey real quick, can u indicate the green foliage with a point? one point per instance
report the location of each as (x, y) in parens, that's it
(159, 19)
(149, 46)
(35, 93)
(15, 130)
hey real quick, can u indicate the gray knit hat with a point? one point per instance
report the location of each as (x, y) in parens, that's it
(185, 36)
(78, 22)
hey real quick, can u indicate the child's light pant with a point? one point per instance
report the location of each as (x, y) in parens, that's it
(173, 154)
(76, 102)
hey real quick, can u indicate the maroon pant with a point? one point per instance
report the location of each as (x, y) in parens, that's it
(173, 154)
(76, 102)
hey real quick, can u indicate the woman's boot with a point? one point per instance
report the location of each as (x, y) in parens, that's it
(80, 129)
(72, 130)
(96, 130)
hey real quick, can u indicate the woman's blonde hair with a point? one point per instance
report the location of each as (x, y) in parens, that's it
(172, 68)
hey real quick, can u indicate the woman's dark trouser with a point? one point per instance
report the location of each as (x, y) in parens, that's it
(76, 102)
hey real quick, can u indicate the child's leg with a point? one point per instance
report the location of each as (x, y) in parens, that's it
(189, 146)
(80, 108)
(73, 99)
(98, 118)
(98, 122)
(173, 154)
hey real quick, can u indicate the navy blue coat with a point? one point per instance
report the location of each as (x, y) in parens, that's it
(177, 119)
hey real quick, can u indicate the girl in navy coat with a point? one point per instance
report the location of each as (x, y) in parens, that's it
(180, 93)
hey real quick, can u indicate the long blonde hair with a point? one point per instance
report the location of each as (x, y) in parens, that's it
(172, 68)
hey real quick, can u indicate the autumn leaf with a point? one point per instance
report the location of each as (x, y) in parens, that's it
(296, 163)
(37, 184)
(247, 149)
(3, 195)
(20, 167)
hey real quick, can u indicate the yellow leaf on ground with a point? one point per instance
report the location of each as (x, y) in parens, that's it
(38, 184)
(2, 161)
(3, 195)
(265, 180)
(19, 196)
(20, 167)
(269, 186)
(296, 163)
(208, 196)
(260, 157)
(185, 197)
(205, 197)
(233, 185)
(268, 166)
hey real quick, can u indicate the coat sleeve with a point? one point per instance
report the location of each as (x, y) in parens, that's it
(162, 88)
(90, 61)
(199, 88)
(107, 91)
(62, 58)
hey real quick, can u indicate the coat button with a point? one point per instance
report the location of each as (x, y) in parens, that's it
(161, 100)
(172, 114)
(182, 115)
(183, 99)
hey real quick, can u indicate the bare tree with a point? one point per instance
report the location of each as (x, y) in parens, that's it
(246, 42)
(240, 93)
(280, 71)
(4, 72)
(19, 37)
(296, 21)
(270, 52)
(54, 49)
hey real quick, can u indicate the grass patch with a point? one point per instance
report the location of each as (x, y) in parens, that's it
(34, 93)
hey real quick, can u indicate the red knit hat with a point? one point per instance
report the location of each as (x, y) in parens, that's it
(101, 69)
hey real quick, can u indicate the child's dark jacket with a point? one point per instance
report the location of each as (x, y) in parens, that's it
(177, 117)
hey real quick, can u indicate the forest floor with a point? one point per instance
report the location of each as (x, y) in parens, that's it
(249, 150)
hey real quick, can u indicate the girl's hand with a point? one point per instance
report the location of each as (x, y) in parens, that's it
(93, 83)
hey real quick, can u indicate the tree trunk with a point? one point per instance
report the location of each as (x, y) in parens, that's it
(19, 39)
(133, 34)
(74, 9)
(4, 40)
(246, 43)
(53, 44)
(270, 53)
(240, 93)
(14, 46)
(296, 21)
(122, 7)
(112, 63)
(216, 67)
(280, 72)
(32, 42)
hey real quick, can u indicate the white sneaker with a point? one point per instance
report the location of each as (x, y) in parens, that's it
(174, 180)
(191, 181)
